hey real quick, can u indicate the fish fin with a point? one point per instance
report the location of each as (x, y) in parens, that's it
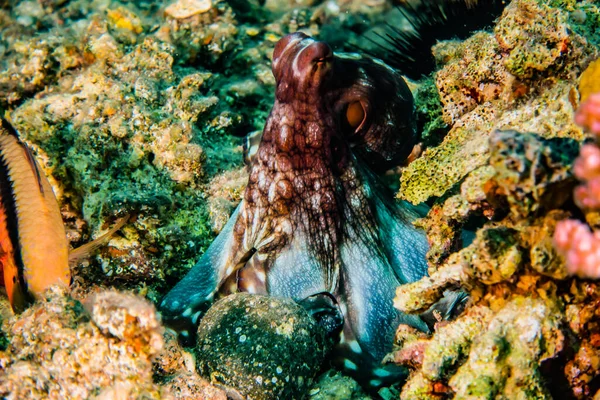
(20, 300)
(186, 303)
(16, 288)
(250, 146)
(85, 250)
(13, 282)
(447, 308)
(34, 166)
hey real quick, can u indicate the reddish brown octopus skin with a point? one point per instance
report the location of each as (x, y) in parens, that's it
(314, 217)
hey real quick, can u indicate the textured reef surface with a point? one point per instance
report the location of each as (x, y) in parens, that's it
(139, 109)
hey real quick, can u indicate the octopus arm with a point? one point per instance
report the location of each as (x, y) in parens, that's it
(185, 304)
(404, 244)
(296, 273)
(368, 284)
(367, 288)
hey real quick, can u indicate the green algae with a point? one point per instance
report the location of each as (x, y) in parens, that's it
(428, 108)
(584, 17)
(125, 137)
(441, 167)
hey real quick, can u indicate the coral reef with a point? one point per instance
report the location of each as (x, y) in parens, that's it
(110, 346)
(528, 328)
(516, 321)
(261, 347)
(57, 350)
(523, 76)
(138, 107)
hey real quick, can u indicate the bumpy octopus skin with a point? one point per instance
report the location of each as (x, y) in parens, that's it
(314, 218)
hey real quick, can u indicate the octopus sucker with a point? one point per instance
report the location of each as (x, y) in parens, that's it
(316, 224)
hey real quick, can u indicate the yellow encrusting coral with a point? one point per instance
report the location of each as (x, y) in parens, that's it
(589, 81)
(522, 76)
(515, 320)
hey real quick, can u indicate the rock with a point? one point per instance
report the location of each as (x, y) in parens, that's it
(332, 385)
(58, 350)
(262, 347)
(187, 8)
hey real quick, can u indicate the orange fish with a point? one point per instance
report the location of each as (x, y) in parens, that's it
(34, 252)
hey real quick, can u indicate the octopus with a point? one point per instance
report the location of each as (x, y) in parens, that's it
(316, 222)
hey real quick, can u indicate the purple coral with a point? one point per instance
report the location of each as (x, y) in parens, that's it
(574, 239)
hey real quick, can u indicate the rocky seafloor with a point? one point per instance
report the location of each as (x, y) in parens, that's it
(139, 108)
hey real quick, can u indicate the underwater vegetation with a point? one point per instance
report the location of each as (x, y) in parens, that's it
(139, 109)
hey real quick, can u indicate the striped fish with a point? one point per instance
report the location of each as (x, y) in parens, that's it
(34, 252)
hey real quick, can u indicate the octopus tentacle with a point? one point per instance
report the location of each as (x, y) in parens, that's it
(371, 271)
(295, 273)
(190, 298)
(404, 245)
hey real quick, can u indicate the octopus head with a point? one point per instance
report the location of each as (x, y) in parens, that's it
(361, 104)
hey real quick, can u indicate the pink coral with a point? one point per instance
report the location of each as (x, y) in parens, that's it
(587, 169)
(574, 239)
(588, 114)
(581, 247)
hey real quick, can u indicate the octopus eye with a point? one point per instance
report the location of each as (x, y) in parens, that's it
(355, 114)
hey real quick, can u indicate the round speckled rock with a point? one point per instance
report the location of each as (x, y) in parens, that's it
(262, 347)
